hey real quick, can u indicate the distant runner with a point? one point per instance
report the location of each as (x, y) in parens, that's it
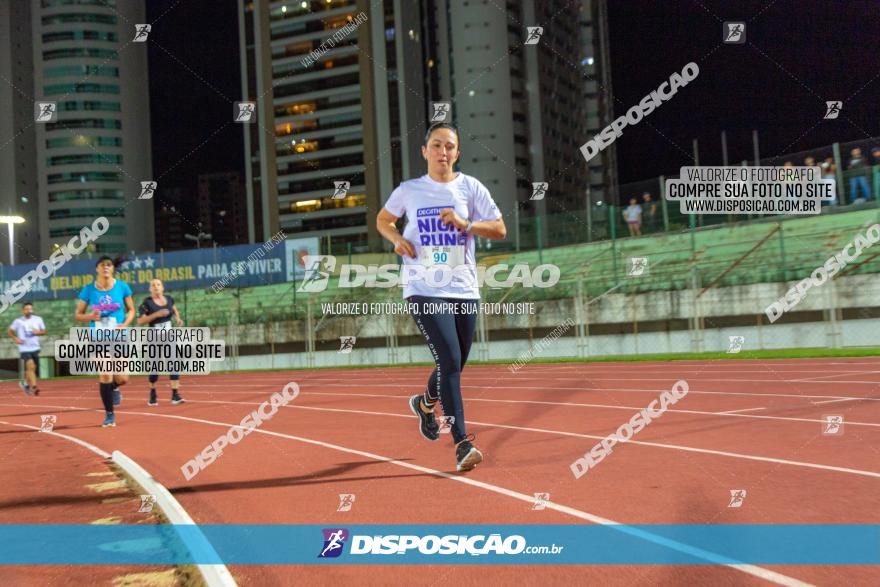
(25, 331)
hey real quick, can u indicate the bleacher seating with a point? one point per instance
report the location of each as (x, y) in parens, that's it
(722, 254)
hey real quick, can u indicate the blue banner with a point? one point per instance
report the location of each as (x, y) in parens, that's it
(767, 544)
(217, 268)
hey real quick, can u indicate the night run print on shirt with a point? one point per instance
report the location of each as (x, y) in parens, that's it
(439, 243)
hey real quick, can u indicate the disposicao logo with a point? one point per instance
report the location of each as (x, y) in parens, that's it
(334, 540)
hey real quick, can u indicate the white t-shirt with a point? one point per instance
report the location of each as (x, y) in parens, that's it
(445, 254)
(633, 213)
(24, 329)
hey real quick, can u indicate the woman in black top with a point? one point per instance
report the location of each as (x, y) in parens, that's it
(157, 311)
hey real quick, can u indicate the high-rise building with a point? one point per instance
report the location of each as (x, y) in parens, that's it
(340, 98)
(222, 209)
(90, 158)
(344, 91)
(526, 99)
(596, 59)
(171, 224)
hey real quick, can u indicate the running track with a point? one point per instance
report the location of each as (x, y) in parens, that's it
(753, 425)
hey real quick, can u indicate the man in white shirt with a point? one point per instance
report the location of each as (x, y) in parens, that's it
(25, 332)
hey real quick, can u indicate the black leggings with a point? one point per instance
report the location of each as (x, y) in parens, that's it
(154, 377)
(448, 326)
(106, 390)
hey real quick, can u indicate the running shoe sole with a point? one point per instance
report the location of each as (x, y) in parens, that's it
(414, 408)
(175, 402)
(152, 403)
(473, 458)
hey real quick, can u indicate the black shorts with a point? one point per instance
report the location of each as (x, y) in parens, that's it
(31, 355)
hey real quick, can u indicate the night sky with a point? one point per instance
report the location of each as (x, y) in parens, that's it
(797, 55)
(194, 80)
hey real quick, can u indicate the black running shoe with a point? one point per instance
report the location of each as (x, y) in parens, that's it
(153, 401)
(427, 422)
(466, 454)
(176, 399)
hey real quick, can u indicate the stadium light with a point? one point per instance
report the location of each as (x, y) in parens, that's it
(198, 238)
(11, 221)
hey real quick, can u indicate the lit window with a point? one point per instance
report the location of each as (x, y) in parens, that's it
(305, 206)
(306, 146)
(305, 108)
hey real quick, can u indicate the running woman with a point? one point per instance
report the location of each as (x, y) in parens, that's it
(106, 303)
(25, 332)
(445, 209)
(157, 311)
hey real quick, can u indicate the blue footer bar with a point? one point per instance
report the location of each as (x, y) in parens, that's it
(795, 544)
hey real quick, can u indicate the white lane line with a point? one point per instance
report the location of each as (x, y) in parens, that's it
(593, 378)
(711, 557)
(579, 435)
(831, 401)
(347, 383)
(811, 379)
(730, 412)
(214, 575)
(610, 407)
(83, 443)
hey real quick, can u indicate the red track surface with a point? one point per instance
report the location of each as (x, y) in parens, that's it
(341, 433)
(50, 480)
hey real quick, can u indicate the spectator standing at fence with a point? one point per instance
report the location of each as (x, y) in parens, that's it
(649, 212)
(875, 156)
(633, 216)
(829, 173)
(858, 180)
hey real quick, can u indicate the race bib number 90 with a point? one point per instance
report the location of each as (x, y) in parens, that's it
(452, 255)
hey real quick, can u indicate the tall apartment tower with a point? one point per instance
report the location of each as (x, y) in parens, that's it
(344, 90)
(91, 158)
(338, 86)
(221, 209)
(526, 99)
